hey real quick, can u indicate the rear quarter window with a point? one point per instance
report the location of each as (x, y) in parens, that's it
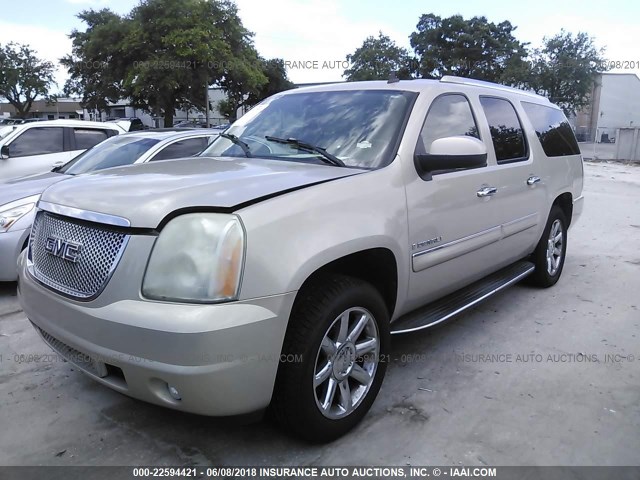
(183, 148)
(89, 137)
(553, 130)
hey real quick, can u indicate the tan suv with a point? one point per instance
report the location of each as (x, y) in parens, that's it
(271, 271)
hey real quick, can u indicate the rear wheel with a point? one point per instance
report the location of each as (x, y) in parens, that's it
(338, 334)
(550, 253)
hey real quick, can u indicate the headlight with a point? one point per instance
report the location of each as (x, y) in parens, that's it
(197, 257)
(10, 213)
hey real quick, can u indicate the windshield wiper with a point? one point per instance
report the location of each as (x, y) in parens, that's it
(326, 156)
(236, 141)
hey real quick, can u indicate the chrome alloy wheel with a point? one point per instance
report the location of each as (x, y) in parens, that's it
(554, 247)
(346, 363)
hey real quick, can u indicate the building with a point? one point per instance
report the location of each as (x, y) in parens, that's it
(70, 108)
(62, 108)
(123, 109)
(615, 104)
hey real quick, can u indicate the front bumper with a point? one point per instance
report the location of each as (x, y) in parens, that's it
(11, 244)
(222, 359)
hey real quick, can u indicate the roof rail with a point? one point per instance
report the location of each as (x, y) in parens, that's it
(495, 86)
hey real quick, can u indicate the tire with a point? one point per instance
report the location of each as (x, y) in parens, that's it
(325, 358)
(548, 258)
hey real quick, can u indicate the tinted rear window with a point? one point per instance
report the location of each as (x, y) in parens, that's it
(89, 137)
(506, 131)
(553, 130)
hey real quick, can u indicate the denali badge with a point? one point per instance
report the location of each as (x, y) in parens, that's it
(425, 243)
(64, 249)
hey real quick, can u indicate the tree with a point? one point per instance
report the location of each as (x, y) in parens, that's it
(23, 76)
(241, 94)
(474, 48)
(277, 80)
(164, 53)
(565, 69)
(94, 67)
(376, 58)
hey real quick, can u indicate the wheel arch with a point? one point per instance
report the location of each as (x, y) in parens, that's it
(565, 202)
(377, 266)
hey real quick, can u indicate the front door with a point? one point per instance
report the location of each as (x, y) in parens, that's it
(35, 150)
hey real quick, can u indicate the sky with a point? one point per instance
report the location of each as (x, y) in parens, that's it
(318, 34)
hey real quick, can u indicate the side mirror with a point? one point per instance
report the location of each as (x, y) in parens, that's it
(451, 153)
(4, 152)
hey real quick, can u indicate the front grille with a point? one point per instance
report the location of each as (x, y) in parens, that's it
(81, 360)
(84, 275)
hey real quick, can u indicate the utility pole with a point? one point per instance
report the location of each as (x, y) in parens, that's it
(206, 105)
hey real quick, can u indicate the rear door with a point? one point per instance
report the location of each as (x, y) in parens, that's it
(83, 138)
(521, 193)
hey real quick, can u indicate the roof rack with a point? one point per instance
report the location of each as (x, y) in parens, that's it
(495, 86)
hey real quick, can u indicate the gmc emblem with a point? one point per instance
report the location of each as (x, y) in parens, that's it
(63, 249)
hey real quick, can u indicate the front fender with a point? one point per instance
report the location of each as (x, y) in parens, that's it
(291, 236)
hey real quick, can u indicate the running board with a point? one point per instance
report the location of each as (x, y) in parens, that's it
(459, 301)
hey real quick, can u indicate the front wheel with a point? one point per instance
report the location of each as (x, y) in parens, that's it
(337, 338)
(550, 253)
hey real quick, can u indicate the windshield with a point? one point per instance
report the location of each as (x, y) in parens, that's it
(360, 127)
(113, 152)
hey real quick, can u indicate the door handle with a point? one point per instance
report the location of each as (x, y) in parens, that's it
(487, 191)
(532, 180)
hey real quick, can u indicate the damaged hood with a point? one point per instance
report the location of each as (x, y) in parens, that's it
(145, 194)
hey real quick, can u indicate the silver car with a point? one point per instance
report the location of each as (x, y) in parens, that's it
(19, 197)
(272, 274)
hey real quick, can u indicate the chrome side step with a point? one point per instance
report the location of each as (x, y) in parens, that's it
(459, 301)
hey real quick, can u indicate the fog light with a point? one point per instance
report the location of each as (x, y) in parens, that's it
(173, 391)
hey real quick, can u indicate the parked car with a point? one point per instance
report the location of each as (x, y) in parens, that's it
(5, 130)
(37, 147)
(18, 197)
(132, 124)
(273, 273)
(20, 121)
(11, 121)
(190, 124)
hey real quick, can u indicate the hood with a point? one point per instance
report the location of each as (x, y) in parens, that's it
(16, 189)
(146, 193)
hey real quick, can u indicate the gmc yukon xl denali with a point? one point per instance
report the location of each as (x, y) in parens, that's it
(270, 273)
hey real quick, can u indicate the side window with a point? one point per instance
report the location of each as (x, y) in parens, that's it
(553, 130)
(449, 115)
(506, 130)
(38, 141)
(89, 137)
(182, 148)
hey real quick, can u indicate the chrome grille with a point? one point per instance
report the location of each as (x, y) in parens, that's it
(86, 277)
